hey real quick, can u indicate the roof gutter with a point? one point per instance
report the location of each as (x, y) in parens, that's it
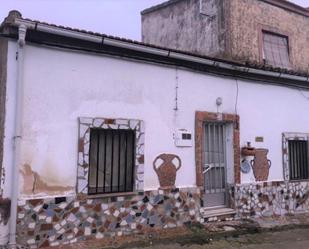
(155, 51)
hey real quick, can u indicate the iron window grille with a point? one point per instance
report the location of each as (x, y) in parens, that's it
(276, 50)
(111, 161)
(298, 159)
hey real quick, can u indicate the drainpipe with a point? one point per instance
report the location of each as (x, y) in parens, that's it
(22, 29)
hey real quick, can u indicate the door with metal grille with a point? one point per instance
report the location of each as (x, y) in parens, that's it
(214, 163)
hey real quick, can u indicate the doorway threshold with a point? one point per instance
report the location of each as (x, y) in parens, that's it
(217, 212)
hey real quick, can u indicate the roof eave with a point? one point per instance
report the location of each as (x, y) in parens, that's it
(164, 55)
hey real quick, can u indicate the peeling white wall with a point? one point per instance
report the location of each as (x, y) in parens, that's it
(61, 86)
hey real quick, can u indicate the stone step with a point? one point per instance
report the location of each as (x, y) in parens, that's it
(217, 214)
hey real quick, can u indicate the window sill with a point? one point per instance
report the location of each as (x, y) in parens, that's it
(96, 196)
(302, 180)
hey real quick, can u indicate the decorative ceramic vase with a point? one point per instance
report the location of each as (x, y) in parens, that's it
(167, 170)
(260, 165)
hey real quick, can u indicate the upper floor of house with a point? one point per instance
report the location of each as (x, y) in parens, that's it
(266, 32)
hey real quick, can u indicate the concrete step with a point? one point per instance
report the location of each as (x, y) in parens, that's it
(217, 214)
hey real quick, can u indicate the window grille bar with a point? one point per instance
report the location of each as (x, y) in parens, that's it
(112, 162)
(213, 170)
(224, 157)
(119, 160)
(306, 161)
(294, 160)
(298, 159)
(208, 156)
(98, 161)
(133, 161)
(125, 161)
(104, 178)
(298, 155)
(206, 160)
(217, 164)
(305, 158)
(301, 161)
(210, 159)
(220, 145)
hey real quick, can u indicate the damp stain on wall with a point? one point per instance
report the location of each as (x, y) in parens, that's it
(35, 184)
(5, 205)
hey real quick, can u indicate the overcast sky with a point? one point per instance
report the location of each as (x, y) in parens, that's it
(112, 17)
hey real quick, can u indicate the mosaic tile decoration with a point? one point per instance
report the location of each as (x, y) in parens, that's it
(285, 150)
(271, 198)
(85, 124)
(50, 222)
(45, 222)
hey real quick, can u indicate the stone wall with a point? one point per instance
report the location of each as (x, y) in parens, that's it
(54, 221)
(271, 198)
(180, 25)
(249, 17)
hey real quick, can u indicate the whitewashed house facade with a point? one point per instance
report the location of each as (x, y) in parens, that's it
(86, 115)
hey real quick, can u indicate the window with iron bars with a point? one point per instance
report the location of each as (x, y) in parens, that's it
(276, 50)
(298, 159)
(111, 161)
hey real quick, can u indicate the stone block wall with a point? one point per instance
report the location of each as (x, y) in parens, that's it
(51, 222)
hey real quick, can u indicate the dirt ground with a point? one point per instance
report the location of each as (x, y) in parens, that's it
(288, 239)
(287, 232)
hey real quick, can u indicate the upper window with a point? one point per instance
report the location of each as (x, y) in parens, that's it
(111, 162)
(276, 50)
(295, 156)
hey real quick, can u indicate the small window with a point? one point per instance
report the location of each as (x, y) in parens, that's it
(298, 159)
(111, 162)
(276, 50)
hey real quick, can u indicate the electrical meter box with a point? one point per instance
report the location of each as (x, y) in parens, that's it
(183, 138)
